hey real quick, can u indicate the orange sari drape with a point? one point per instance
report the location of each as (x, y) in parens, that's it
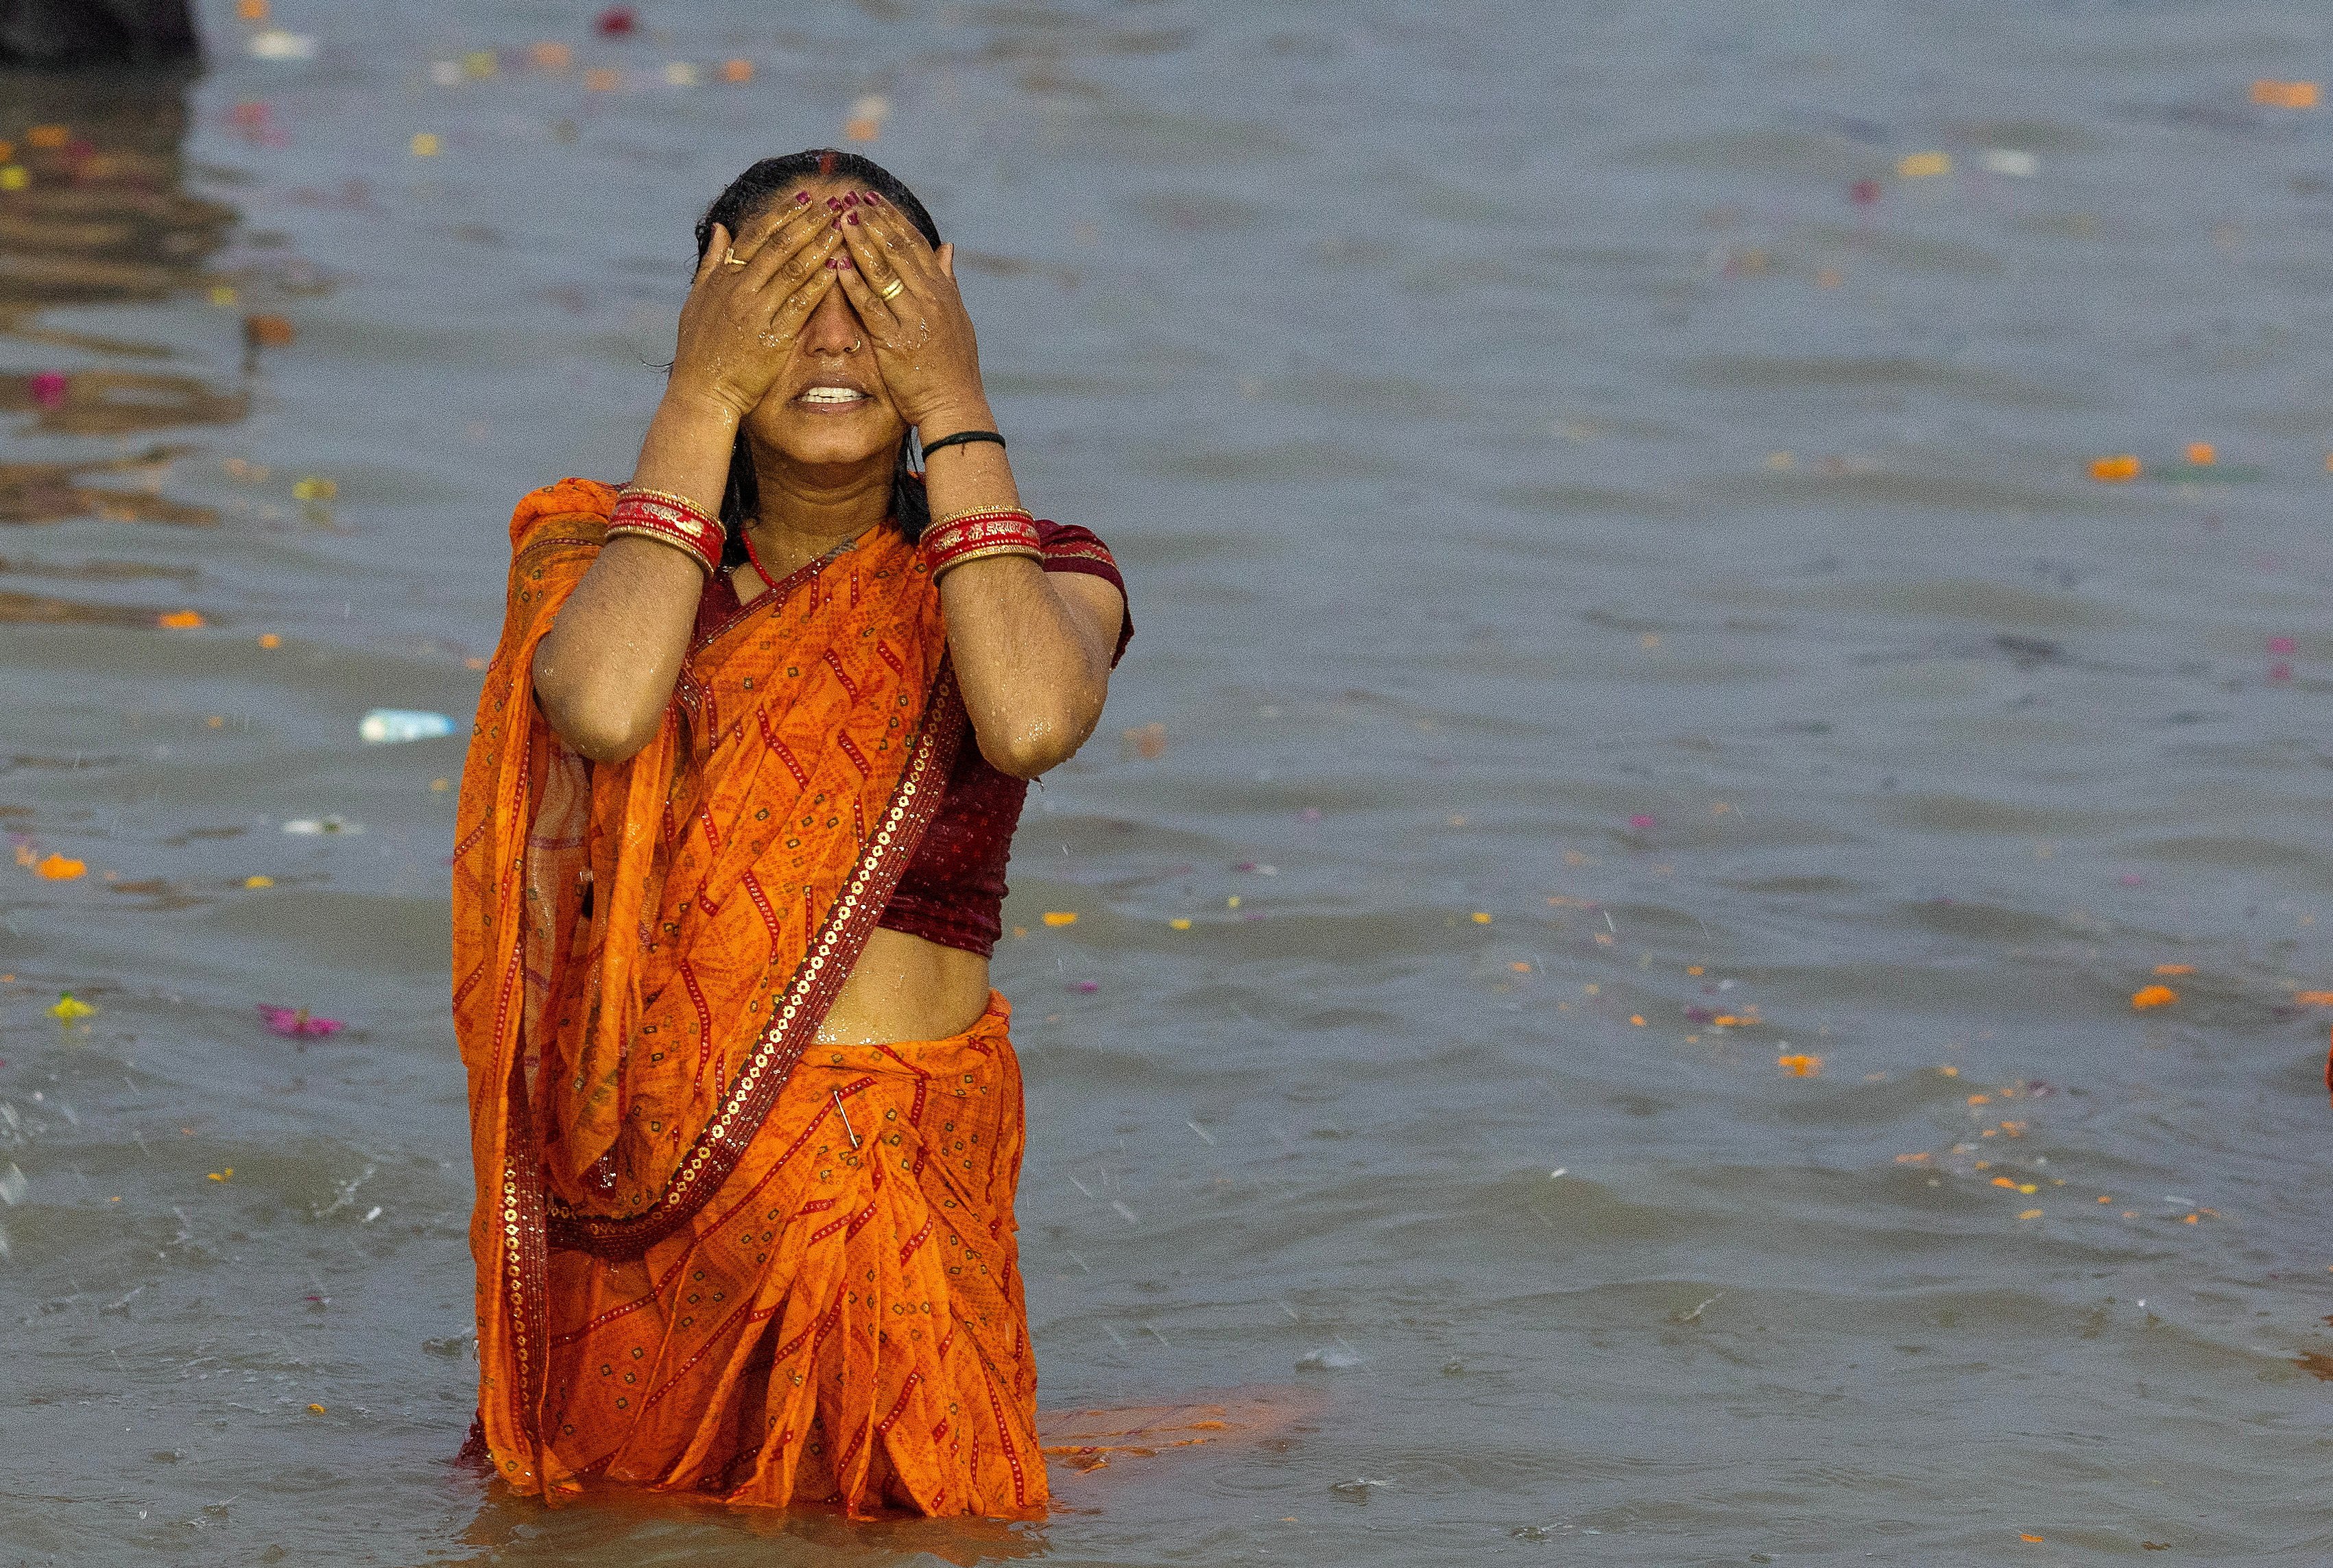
(714, 1256)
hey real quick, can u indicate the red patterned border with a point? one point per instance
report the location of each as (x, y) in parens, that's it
(803, 1004)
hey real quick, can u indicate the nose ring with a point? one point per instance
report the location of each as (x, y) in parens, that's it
(855, 344)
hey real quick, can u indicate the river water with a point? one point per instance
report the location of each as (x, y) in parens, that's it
(1614, 550)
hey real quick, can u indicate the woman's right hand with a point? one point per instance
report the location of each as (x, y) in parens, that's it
(740, 321)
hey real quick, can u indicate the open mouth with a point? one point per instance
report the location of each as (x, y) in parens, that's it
(832, 397)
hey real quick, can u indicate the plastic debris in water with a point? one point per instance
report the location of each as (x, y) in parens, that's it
(1085, 987)
(1060, 917)
(2285, 94)
(259, 882)
(424, 144)
(617, 20)
(179, 620)
(390, 726)
(740, 70)
(552, 56)
(1179, 924)
(296, 1024)
(680, 74)
(310, 826)
(2156, 996)
(1924, 165)
(1641, 821)
(867, 117)
(2010, 162)
(57, 868)
(2119, 469)
(13, 1186)
(277, 44)
(49, 388)
(68, 1007)
(263, 331)
(315, 487)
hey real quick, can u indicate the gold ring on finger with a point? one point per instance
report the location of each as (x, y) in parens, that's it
(729, 258)
(893, 290)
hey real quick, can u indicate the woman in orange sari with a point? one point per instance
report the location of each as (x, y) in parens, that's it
(746, 1118)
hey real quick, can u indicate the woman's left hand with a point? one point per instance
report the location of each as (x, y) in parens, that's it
(922, 337)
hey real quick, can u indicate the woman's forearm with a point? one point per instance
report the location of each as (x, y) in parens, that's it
(606, 669)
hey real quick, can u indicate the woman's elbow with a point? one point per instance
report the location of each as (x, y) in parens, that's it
(1033, 747)
(591, 732)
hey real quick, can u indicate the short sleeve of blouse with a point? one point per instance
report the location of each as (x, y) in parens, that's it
(1069, 548)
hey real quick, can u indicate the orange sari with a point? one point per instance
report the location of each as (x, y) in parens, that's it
(714, 1256)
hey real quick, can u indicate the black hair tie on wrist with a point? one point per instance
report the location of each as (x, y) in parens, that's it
(959, 439)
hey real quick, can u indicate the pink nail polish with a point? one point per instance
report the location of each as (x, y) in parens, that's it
(852, 220)
(801, 198)
(842, 263)
(850, 198)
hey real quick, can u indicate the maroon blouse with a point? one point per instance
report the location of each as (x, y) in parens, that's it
(953, 890)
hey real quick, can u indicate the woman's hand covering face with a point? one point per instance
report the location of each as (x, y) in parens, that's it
(738, 325)
(922, 337)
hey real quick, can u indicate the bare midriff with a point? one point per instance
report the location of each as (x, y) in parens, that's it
(904, 987)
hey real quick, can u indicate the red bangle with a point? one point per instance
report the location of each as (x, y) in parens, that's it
(671, 519)
(974, 535)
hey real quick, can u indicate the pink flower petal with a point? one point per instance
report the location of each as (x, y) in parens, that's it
(293, 1023)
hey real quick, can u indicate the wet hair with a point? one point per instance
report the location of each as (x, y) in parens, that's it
(749, 195)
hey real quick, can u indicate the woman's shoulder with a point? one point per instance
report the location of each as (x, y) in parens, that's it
(587, 503)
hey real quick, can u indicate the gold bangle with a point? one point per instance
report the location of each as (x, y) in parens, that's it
(1019, 511)
(662, 538)
(1026, 552)
(645, 494)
